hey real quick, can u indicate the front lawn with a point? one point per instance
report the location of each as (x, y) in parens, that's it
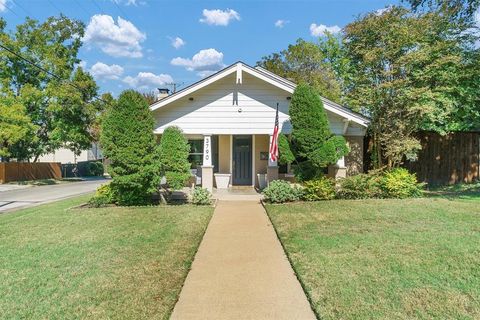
(116, 263)
(385, 259)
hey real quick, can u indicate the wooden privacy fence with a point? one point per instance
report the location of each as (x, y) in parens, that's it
(449, 159)
(21, 171)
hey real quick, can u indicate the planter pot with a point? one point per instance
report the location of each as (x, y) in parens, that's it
(262, 180)
(222, 180)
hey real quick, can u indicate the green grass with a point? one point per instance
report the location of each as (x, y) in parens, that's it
(385, 259)
(466, 191)
(108, 263)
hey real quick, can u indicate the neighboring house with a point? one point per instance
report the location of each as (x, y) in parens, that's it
(65, 156)
(228, 119)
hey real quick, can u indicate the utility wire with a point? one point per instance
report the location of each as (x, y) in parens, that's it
(50, 73)
(121, 10)
(53, 5)
(5, 5)
(23, 8)
(81, 7)
(97, 5)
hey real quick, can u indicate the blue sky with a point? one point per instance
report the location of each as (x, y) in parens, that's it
(133, 43)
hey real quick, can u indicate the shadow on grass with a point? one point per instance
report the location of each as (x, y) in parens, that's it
(468, 191)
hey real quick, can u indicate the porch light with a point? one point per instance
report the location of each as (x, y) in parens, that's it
(190, 99)
(289, 98)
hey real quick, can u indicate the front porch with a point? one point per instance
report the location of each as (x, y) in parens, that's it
(223, 162)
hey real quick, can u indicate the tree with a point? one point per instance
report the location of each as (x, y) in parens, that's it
(313, 144)
(304, 62)
(15, 125)
(173, 154)
(410, 73)
(128, 141)
(60, 113)
(456, 8)
(150, 97)
(74, 112)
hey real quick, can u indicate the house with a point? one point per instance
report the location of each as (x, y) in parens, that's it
(65, 156)
(228, 119)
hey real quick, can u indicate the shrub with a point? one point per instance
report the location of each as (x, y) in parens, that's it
(201, 197)
(279, 191)
(361, 186)
(284, 152)
(399, 183)
(94, 168)
(313, 144)
(103, 196)
(319, 189)
(173, 153)
(127, 140)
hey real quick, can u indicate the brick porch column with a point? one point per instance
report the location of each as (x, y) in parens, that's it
(207, 167)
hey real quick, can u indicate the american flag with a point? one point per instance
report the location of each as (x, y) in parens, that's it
(274, 143)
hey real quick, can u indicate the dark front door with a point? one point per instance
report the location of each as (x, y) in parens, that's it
(242, 160)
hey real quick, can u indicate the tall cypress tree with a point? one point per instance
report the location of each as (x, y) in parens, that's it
(314, 145)
(127, 139)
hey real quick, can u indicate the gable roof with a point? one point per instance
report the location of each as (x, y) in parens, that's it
(266, 76)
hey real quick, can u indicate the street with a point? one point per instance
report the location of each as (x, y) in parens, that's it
(17, 198)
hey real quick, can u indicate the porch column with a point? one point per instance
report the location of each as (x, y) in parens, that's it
(272, 169)
(338, 170)
(207, 168)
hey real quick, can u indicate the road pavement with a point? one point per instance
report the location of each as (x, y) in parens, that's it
(17, 198)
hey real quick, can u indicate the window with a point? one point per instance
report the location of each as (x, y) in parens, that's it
(283, 168)
(196, 153)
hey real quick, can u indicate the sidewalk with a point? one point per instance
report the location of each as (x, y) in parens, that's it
(240, 271)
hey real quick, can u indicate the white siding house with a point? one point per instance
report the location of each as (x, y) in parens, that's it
(232, 114)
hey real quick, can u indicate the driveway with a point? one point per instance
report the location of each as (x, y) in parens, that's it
(17, 198)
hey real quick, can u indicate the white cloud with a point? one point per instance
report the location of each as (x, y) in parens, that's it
(204, 62)
(477, 17)
(281, 23)
(121, 39)
(3, 5)
(379, 12)
(83, 64)
(321, 30)
(103, 71)
(147, 80)
(178, 42)
(219, 17)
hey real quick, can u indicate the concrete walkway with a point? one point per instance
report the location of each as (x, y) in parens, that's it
(240, 271)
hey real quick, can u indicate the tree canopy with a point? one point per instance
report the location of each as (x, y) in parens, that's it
(407, 70)
(305, 62)
(411, 72)
(60, 113)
